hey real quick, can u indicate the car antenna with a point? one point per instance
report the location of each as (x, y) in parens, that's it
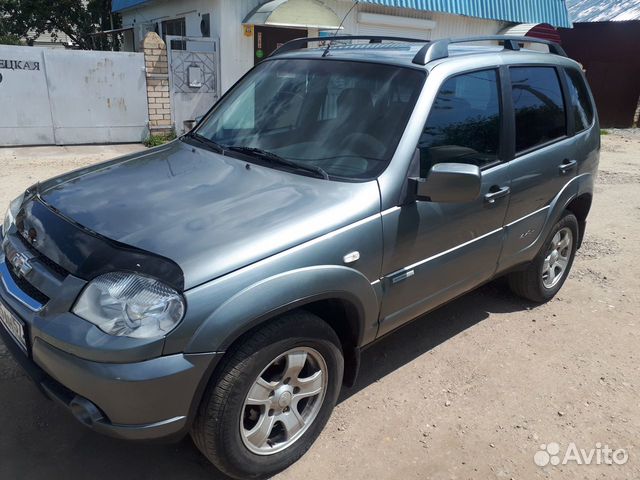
(326, 50)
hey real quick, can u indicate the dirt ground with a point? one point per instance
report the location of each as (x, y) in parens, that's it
(470, 391)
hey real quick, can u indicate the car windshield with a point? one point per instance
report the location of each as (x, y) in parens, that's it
(342, 118)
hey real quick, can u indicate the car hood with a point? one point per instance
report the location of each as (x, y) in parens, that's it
(209, 213)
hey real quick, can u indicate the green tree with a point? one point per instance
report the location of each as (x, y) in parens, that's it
(10, 40)
(78, 19)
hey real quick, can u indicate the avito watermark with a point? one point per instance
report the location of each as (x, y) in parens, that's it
(551, 454)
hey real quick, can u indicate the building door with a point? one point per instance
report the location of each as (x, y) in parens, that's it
(267, 39)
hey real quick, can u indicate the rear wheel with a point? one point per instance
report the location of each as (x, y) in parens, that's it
(274, 394)
(545, 275)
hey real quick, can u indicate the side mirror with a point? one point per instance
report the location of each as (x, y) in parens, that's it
(449, 183)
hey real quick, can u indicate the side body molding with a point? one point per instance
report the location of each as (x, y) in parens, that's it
(283, 292)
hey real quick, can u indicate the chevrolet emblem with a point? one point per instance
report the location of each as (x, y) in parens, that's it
(21, 264)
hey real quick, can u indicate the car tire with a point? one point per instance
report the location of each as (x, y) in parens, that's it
(230, 425)
(545, 275)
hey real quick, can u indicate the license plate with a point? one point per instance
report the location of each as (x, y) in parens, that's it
(14, 326)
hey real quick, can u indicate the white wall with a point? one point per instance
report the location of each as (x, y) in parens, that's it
(446, 25)
(236, 50)
(161, 10)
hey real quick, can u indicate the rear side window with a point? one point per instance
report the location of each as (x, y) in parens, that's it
(464, 122)
(580, 101)
(539, 106)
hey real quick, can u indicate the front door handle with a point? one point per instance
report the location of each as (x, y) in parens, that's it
(567, 165)
(495, 193)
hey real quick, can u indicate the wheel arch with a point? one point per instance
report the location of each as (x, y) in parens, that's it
(580, 207)
(340, 313)
(575, 197)
(340, 296)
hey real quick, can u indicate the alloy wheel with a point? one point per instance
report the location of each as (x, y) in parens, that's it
(283, 401)
(557, 260)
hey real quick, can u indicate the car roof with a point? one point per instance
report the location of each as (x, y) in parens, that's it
(401, 53)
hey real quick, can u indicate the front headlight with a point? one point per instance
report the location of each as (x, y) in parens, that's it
(12, 212)
(130, 305)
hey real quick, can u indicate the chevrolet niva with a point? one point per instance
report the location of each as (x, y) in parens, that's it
(225, 284)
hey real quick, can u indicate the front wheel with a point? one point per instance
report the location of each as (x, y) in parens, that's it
(272, 397)
(545, 275)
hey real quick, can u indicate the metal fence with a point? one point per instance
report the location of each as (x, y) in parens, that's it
(63, 97)
(608, 51)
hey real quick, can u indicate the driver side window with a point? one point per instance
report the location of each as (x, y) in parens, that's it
(464, 122)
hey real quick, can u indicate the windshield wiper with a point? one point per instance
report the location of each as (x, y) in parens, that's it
(277, 159)
(207, 142)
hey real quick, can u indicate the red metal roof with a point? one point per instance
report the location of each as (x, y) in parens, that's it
(536, 30)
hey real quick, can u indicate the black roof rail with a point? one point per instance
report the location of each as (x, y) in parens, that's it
(299, 43)
(440, 48)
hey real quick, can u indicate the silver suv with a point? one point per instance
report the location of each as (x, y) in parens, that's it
(226, 283)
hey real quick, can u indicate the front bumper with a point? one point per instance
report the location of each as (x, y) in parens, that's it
(136, 401)
(115, 385)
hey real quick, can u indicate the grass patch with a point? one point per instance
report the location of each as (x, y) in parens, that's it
(604, 132)
(157, 140)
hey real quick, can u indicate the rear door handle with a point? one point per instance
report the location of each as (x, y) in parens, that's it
(567, 165)
(494, 194)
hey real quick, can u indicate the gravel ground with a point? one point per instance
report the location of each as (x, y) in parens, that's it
(470, 391)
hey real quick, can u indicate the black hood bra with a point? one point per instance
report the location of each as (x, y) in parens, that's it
(84, 253)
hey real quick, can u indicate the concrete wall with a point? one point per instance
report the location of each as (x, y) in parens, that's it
(54, 96)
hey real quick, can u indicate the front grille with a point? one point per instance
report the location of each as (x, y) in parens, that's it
(27, 288)
(50, 264)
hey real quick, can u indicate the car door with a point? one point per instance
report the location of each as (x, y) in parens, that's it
(545, 154)
(436, 251)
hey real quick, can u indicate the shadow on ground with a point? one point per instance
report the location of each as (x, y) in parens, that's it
(40, 440)
(421, 335)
